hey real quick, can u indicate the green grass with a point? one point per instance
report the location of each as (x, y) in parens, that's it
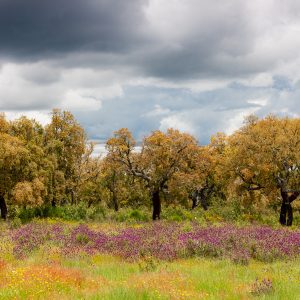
(106, 277)
(47, 274)
(217, 212)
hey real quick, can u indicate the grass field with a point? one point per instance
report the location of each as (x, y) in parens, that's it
(34, 264)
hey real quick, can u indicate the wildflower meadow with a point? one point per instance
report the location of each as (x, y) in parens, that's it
(160, 260)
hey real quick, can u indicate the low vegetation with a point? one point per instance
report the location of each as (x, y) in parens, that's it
(164, 260)
(163, 241)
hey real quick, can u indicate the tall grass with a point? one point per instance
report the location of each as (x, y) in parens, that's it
(106, 277)
(229, 212)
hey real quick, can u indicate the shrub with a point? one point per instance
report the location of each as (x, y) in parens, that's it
(130, 215)
(177, 214)
(261, 287)
(148, 263)
(82, 239)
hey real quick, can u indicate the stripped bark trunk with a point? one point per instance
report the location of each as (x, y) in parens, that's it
(156, 205)
(201, 196)
(286, 211)
(3, 207)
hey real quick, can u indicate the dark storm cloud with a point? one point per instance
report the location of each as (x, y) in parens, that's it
(202, 56)
(40, 28)
(172, 40)
(197, 65)
(201, 41)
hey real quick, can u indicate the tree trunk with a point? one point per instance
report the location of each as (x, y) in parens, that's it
(201, 195)
(194, 197)
(282, 218)
(53, 202)
(289, 215)
(53, 188)
(3, 207)
(286, 211)
(194, 205)
(156, 205)
(73, 201)
(203, 198)
(115, 202)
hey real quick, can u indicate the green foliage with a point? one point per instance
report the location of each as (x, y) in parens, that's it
(130, 215)
(82, 212)
(15, 222)
(178, 214)
(79, 212)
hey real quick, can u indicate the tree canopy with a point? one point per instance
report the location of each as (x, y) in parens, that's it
(258, 165)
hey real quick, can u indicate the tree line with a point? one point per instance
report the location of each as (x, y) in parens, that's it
(259, 165)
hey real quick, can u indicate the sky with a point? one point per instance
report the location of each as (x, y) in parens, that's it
(199, 66)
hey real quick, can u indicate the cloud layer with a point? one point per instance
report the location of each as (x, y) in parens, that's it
(199, 66)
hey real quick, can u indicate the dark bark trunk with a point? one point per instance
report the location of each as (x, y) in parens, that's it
(200, 196)
(72, 197)
(282, 218)
(286, 211)
(156, 205)
(3, 207)
(53, 202)
(203, 198)
(115, 202)
(194, 197)
(194, 205)
(289, 221)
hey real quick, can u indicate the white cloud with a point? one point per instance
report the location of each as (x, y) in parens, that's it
(38, 86)
(176, 122)
(99, 150)
(258, 101)
(42, 117)
(237, 120)
(17, 93)
(259, 80)
(157, 111)
(76, 101)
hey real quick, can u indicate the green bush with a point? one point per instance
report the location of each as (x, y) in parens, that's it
(78, 212)
(219, 211)
(15, 222)
(130, 215)
(177, 214)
